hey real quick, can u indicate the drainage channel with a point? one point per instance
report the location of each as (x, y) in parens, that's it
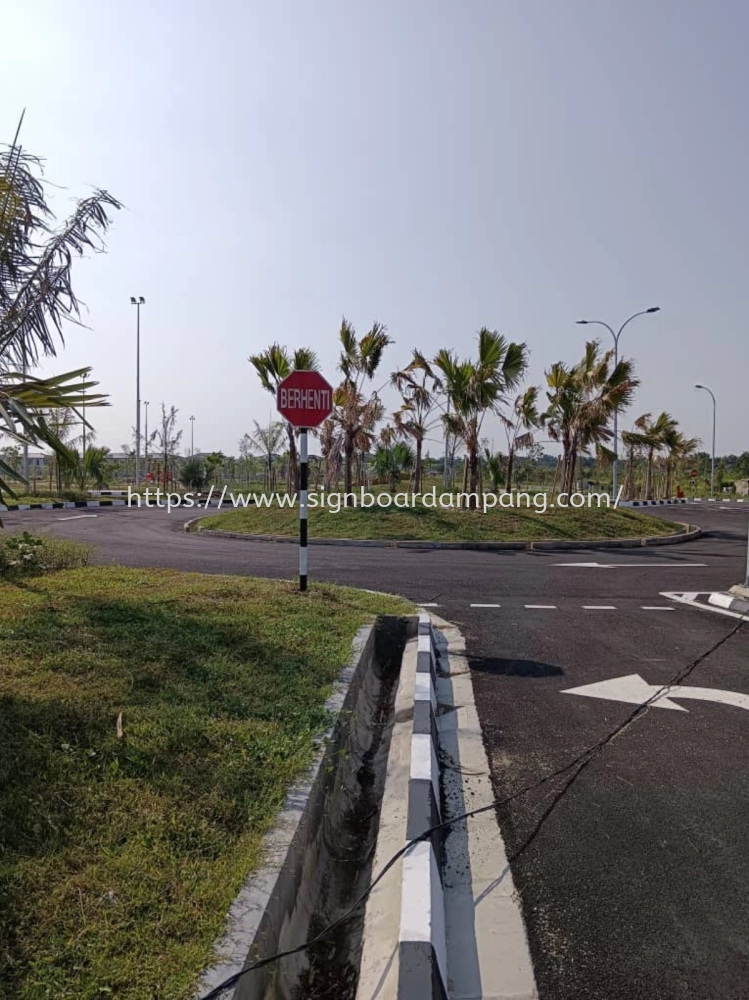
(328, 863)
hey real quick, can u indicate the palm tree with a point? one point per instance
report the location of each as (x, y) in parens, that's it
(582, 400)
(356, 411)
(475, 388)
(634, 443)
(391, 462)
(272, 367)
(267, 441)
(677, 449)
(418, 387)
(519, 426)
(37, 299)
(653, 437)
(495, 466)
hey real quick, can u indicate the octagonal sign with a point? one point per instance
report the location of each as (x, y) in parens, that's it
(304, 398)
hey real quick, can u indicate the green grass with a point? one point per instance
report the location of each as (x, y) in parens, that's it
(119, 856)
(426, 524)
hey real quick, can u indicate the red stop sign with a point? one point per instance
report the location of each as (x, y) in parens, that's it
(304, 398)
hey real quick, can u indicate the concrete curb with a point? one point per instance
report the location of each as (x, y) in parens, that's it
(677, 500)
(422, 948)
(62, 505)
(687, 533)
(729, 602)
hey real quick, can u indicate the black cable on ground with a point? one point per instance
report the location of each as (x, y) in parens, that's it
(580, 763)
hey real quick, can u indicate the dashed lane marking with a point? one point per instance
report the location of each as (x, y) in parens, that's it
(481, 605)
(656, 607)
(599, 607)
(542, 607)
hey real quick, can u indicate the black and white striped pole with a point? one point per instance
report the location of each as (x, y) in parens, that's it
(305, 399)
(303, 509)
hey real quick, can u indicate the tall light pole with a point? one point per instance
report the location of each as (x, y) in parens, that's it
(712, 459)
(192, 436)
(137, 301)
(145, 441)
(616, 336)
(83, 417)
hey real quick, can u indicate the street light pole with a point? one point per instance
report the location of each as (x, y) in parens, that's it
(137, 301)
(616, 336)
(145, 441)
(192, 436)
(712, 459)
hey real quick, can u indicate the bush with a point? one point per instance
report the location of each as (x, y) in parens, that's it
(22, 554)
(193, 474)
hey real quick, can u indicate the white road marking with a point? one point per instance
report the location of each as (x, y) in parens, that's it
(484, 605)
(550, 607)
(429, 605)
(644, 565)
(656, 607)
(635, 691)
(76, 517)
(599, 607)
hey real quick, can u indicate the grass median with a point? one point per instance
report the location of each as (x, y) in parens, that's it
(150, 724)
(422, 523)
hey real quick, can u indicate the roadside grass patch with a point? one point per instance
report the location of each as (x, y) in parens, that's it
(434, 524)
(122, 847)
(22, 553)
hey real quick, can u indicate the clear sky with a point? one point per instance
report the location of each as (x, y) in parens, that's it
(436, 166)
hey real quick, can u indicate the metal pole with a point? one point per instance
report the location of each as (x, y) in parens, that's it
(192, 436)
(137, 396)
(303, 509)
(83, 418)
(145, 441)
(446, 471)
(712, 460)
(25, 467)
(615, 466)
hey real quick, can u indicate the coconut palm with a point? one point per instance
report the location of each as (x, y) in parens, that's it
(677, 448)
(357, 408)
(634, 444)
(37, 299)
(654, 434)
(519, 427)
(475, 388)
(391, 462)
(272, 367)
(267, 440)
(582, 400)
(418, 387)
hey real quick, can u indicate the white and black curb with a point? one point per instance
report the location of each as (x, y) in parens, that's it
(678, 500)
(62, 505)
(422, 951)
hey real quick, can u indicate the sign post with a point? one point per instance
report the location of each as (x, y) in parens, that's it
(305, 399)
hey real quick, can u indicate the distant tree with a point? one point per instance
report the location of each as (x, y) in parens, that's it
(419, 388)
(267, 441)
(357, 407)
(193, 473)
(272, 367)
(391, 463)
(495, 468)
(168, 438)
(519, 426)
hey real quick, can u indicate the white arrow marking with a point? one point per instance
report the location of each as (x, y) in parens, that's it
(634, 690)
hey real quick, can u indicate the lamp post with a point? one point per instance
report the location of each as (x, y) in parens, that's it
(83, 417)
(192, 436)
(145, 442)
(712, 458)
(137, 301)
(616, 336)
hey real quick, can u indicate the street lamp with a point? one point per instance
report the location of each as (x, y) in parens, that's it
(712, 460)
(616, 336)
(145, 442)
(192, 436)
(137, 301)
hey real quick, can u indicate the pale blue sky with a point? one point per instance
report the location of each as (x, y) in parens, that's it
(437, 166)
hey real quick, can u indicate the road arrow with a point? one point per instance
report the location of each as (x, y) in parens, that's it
(635, 691)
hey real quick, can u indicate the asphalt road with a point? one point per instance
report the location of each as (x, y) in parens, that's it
(634, 878)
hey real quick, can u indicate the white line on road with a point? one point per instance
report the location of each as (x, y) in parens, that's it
(429, 605)
(599, 607)
(644, 565)
(655, 607)
(540, 607)
(481, 605)
(76, 517)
